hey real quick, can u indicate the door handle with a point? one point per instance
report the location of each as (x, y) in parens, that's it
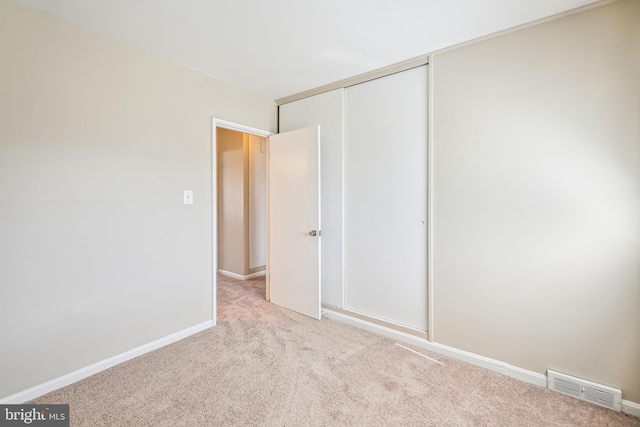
(313, 233)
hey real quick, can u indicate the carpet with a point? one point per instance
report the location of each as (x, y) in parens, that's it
(263, 365)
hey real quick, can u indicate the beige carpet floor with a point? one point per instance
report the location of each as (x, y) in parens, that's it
(266, 366)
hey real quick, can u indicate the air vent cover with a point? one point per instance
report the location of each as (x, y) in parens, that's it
(585, 390)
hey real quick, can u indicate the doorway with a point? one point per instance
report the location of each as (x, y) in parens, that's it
(242, 206)
(296, 161)
(239, 183)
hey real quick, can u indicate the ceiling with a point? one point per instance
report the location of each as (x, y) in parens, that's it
(280, 47)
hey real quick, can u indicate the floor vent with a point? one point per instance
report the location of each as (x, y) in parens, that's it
(586, 390)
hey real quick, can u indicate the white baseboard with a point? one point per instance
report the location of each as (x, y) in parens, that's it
(475, 359)
(241, 277)
(631, 408)
(87, 371)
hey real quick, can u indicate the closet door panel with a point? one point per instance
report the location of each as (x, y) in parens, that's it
(385, 198)
(324, 110)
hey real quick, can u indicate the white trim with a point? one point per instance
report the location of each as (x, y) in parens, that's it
(430, 187)
(240, 128)
(475, 359)
(342, 187)
(525, 375)
(93, 369)
(320, 226)
(631, 408)
(214, 221)
(360, 78)
(256, 274)
(241, 277)
(276, 117)
(267, 290)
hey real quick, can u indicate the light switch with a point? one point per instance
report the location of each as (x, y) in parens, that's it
(188, 197)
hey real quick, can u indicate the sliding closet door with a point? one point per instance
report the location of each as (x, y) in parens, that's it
(385, 198)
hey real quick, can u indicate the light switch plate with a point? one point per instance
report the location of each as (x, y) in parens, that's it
(188, 197)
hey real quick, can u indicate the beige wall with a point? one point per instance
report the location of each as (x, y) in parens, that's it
(231, 202)
(537, 197)
(98, 140)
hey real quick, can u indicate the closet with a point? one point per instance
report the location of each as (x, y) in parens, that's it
(373, 193)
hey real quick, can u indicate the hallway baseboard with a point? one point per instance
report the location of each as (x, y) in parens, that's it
(241, 277)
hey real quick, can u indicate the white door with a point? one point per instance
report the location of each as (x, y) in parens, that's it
(324, 109)
(385, 198)
(294, 220)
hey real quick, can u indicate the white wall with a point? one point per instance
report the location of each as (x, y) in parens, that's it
(98, 140)
(536, 247)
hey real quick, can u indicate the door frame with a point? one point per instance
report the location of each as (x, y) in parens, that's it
(218, 123)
